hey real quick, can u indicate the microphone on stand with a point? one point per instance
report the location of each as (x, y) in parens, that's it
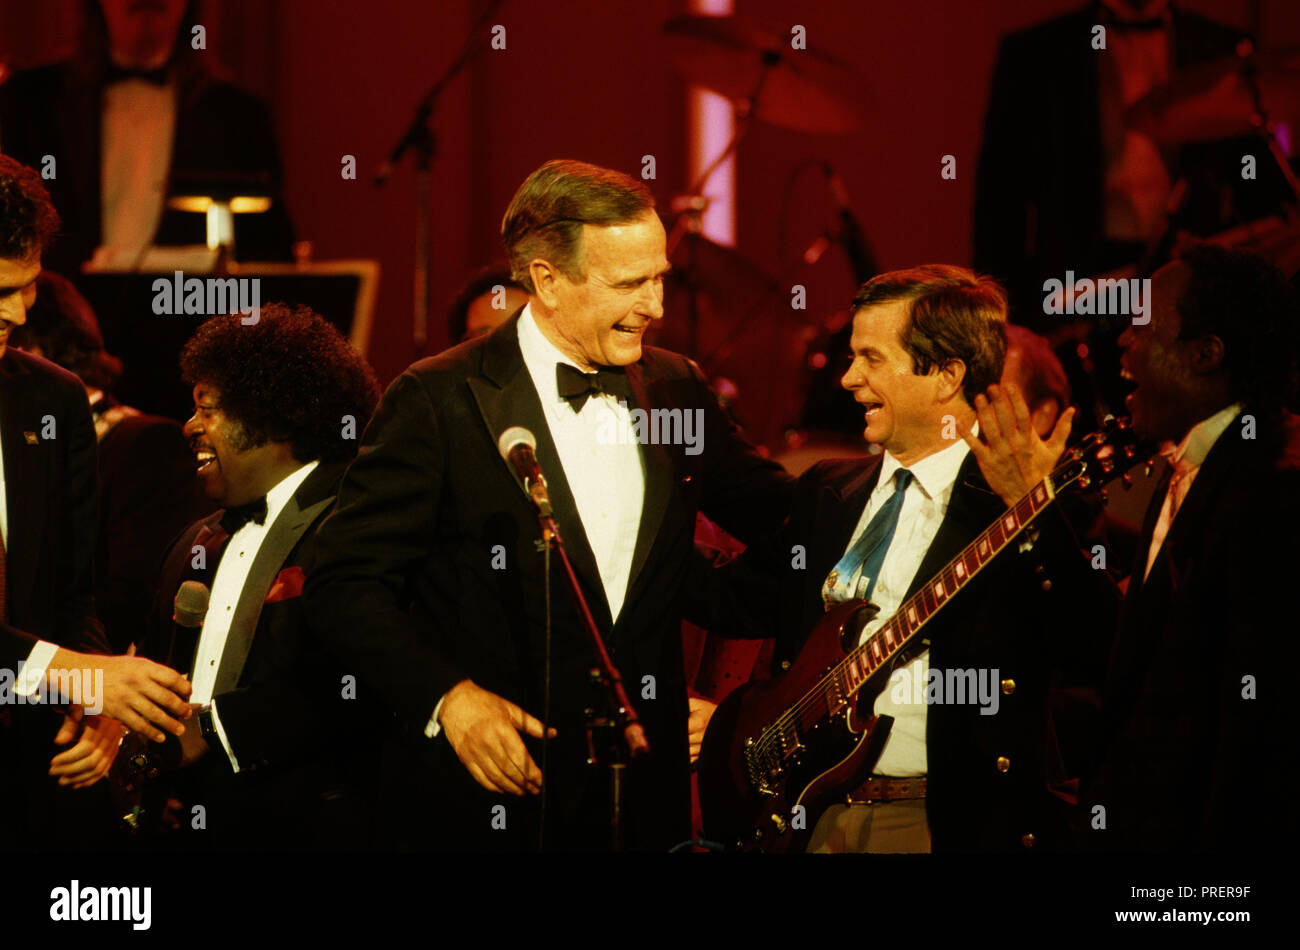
(855, 246)
(517, 446)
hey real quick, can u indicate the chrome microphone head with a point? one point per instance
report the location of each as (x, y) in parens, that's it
(513, 436)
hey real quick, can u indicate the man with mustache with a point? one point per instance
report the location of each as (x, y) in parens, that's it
(429, 581)
(1198, 737)
(278, 408)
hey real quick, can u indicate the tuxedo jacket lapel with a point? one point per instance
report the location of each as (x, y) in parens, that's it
(506, 397)
(838, 515)
(280, 540)
(659, 474)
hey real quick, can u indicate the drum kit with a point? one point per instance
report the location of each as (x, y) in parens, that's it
(769, 362)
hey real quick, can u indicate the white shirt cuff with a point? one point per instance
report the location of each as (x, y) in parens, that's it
(33, 670)
(434, 727)
(221, 734)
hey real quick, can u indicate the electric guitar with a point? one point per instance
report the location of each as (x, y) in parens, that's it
(805, 738)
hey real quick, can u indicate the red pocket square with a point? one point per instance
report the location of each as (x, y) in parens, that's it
(288, 584)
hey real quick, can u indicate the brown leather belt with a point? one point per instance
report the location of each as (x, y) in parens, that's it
(887, 790)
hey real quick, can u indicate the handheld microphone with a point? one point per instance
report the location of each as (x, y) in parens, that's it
(189, 609)
(517, 446)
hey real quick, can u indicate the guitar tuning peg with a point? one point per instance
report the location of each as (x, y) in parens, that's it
(1127, 480)
(1105, 496)
(1150, 465)
(1107, 466)
(1129, 451)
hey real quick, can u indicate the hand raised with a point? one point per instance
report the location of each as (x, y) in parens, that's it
(1013, 457)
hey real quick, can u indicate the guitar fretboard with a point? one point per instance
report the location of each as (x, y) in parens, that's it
(842, 682)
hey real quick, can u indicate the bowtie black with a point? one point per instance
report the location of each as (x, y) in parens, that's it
(576, 386)
(119, 73)
(236, 518)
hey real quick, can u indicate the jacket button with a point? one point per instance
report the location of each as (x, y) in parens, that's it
(686, 479)
(1047, 585)
(785, 664)
(1008, 687)
(1027, 840)
(1003, 763)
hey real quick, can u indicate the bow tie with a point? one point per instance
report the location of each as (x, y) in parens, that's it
(576, 386)
(117, 73)
(236, 518)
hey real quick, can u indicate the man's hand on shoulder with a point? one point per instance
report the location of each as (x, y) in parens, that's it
(483, 729)
(1013, 457)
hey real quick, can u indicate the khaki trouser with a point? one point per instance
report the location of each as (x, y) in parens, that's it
(882, 828)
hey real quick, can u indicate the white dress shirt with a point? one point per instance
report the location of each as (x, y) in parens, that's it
(232, 572)
(139, 124)
(925, 503)
(1186, 459)
(603, 464)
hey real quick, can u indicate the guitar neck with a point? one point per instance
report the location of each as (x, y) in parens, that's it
(843, 681)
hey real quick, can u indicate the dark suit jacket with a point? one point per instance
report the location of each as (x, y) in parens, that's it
(1039, 192)
(1191, 762)
(299, 740)
(406, 592)
(148, 494)
(1003, 620)
(52, 499)
(56, 110)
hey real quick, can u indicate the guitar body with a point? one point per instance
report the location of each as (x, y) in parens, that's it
(758, 764)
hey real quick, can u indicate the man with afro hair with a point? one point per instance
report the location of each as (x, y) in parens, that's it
(278, 408)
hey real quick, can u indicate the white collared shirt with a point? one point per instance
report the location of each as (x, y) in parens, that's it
(925, 504)
(232, 572)
(139, 124)
(606, 475)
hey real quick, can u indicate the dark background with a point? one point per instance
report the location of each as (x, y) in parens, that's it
(591, 79)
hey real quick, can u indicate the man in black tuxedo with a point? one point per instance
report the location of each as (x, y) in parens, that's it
(48, 506)
(277, 761)
(951, 776)
(1198, 739)
(429, 581)
(137, 114)
(148, 489)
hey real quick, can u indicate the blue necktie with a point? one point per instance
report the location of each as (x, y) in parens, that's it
(869, 551)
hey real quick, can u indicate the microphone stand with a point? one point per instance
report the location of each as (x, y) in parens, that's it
(623, 724)
(420, 136)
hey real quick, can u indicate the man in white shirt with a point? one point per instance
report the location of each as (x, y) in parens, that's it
(1198, 744)
(954, 773)
(430, 580)
(279, 406)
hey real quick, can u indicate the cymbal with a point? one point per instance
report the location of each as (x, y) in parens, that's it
(727, 55)
(1213, 100)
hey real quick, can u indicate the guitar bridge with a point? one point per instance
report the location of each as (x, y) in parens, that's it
(763, 763)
